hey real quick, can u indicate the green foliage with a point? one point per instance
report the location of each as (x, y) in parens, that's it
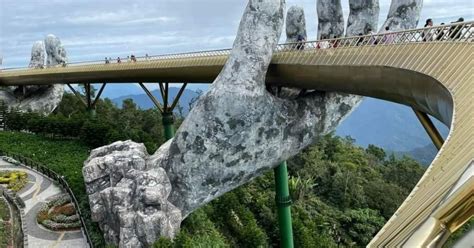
(58, 214)
(65, 157)
(377, 152)
(4, 210)
(71, 121)
(342, 193)
(5, 224)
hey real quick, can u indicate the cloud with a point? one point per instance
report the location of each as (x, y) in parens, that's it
(91, 29)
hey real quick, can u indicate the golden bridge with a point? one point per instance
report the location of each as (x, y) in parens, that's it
(430, 70)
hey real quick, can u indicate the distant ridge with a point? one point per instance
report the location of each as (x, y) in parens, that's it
(391, 126)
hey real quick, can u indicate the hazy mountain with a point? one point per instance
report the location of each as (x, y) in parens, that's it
(389, 125)
(117, 90)
(126, 89)
(423, 155)
(144, 102)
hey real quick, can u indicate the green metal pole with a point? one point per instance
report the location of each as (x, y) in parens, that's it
(92, 112)
(283, 201)
(168, 124)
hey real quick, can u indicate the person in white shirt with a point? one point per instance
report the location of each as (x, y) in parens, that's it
(428, 34)
(323, 44)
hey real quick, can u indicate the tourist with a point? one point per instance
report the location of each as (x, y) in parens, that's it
(455, 31)
(133, 58)
(324, 43)
(372, 38)
(300, 42)
(387, 37)
(110, 59)
(428, 32)
(360, 39)
(441, 32)
(107, 60)
(118, 60)
(335, 42)
(146, 57)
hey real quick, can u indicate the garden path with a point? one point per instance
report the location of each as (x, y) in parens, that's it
(38, 190)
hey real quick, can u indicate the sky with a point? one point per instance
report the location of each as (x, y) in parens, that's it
(92, 29)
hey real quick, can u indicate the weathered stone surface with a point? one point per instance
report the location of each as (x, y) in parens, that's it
(42, 99)
(234, 133)
(403, 14)
(363, 16)
(128, 197)
(37, 55)
(330, 19)
(295, 24)
(56, 54)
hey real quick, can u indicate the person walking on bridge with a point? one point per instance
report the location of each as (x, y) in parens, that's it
(455, 31)
(388, 37)
(428, 33)
(300, 42)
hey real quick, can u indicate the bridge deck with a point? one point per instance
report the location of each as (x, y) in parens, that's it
(434, 77)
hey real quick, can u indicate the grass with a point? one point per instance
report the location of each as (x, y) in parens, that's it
(65, 157)
(5, 226)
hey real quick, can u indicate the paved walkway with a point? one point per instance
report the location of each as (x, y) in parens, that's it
(38, 191)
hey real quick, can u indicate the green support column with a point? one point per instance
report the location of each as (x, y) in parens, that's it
(283, 201)
(168, 124)
(92, 112)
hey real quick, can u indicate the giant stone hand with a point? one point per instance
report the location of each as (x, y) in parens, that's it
(40, 98)
(235, 132)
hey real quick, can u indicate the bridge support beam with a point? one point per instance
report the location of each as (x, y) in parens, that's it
(91, 101)
(430, 128)
(166, 110)
(283, 202)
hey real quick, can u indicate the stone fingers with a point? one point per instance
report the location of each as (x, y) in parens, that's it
(257, 37)
(403, 14)
(363, 16)
(330, 19)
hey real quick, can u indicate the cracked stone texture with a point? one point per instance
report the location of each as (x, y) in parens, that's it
(235, 132)
(363, 15)
(403, 14)
(37, 55)
(127, 197)
(295, 24)
(42, 99)
(330, 19)
(56, 54)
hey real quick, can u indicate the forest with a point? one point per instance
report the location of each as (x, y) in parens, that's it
(342, 194)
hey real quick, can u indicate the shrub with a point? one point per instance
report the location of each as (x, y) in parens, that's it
(58, 214)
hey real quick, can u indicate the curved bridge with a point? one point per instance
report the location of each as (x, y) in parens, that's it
(427, 69)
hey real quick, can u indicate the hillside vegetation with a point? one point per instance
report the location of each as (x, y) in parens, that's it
(342, 193)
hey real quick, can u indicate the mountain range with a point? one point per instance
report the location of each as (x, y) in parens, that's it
(391, 126)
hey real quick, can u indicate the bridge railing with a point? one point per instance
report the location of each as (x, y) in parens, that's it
(454, 32)
(462, 32)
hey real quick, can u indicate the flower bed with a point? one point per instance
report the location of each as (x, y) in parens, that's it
(15, 180)
(59, 214)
